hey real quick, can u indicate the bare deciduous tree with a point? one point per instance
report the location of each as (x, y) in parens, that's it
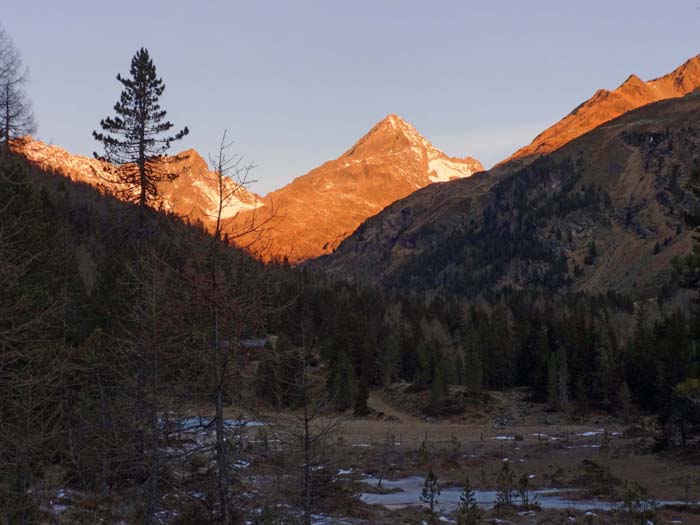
(307, 433)
(32, 355)
(231, 178)
(229, 295)
(148, 356)
(15, 108)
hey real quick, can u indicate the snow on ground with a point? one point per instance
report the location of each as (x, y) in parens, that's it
(591, 433)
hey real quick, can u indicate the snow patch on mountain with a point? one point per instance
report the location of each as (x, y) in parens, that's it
(443, 170)
(195, 189)
(231, 208)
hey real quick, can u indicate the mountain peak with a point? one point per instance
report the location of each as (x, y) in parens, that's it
(692, 65)
(192, 158)
(681, 81)
(395, 121)
(393, 124)
(324, 206)
(390, 135)
(632, 80)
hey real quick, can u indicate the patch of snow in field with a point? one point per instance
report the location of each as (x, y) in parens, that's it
(241, 464)
(191, 423)
(590, 433)
(541, 435)
(504, 438)
(322, 519)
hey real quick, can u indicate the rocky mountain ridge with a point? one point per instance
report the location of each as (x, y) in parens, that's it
(193, 194)
(606, 105)
(309, 216)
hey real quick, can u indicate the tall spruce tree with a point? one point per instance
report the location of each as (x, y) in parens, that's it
(137, 138)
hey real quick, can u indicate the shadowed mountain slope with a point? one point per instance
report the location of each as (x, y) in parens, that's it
(603, 212)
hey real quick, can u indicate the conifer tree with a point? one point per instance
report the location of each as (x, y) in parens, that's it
(438, 388)
(391, 360)
(342, 382)
(562, 378)
(506, 485)
(473, 362)
(552, 383)
(360, 407)
(430, 493)
(468, 511)
(138, 137)
(524, 490)
(581, 396)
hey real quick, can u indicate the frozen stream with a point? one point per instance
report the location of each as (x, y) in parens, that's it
(410, 491)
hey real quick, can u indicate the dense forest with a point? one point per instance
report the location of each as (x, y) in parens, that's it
(566, 349)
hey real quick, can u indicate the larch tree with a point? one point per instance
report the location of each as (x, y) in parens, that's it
(307, 434)
(229, 296)
(15, 108)
(34, 359)
(137, 139)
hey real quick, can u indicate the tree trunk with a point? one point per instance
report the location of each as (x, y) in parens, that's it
(221, 450)
(222, 461)
(307, 466)
(152, 407)
(142, 165)
(151, 508)
(6, 145)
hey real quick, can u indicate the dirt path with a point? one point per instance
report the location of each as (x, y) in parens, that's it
(377, 403)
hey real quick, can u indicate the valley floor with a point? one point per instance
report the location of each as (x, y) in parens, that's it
(576, 470)
(588, 459)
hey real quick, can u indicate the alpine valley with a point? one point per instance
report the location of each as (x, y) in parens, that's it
(397, 336)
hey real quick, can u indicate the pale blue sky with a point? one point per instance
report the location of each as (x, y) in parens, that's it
(298, 82)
